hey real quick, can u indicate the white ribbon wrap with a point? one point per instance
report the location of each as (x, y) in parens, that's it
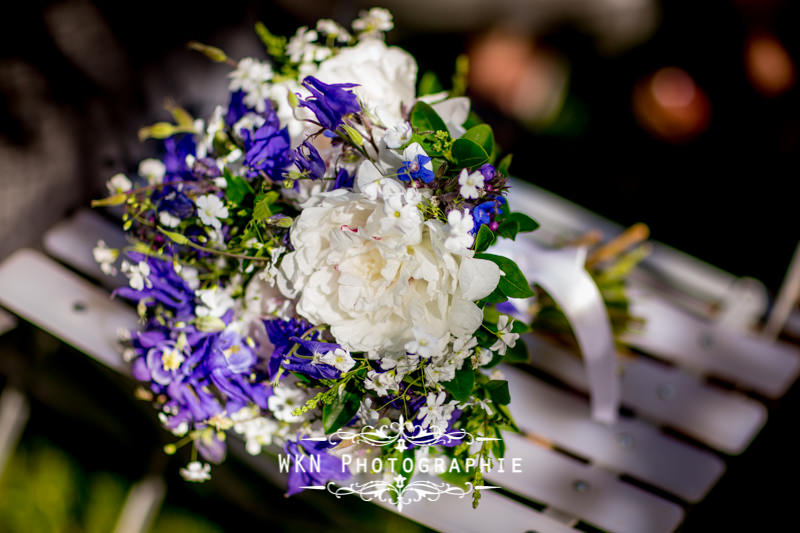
(561, 273)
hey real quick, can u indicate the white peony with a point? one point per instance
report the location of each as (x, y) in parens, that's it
(374, 282)
(386, 76)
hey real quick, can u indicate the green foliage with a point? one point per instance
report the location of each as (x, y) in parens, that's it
(468, 154)
(461, 385)
(237, 188)
(514, 223)
(425, 120)
(484, 239)
(340, 411)
(512, 283)
(498, 391)
(275, 45)
(483, 136)
(504, 165)
(429, 84)
(518, 353)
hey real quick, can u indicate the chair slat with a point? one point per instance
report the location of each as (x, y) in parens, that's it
(69, 307)
(724, 420)
(596, 496)
(763, 366)
(630, 446)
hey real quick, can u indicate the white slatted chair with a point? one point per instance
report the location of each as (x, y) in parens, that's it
(573, 466)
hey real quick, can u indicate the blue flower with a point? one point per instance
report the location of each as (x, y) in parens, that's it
(236, 108)
(166, 287)
(268, 149)
(343, 180)
(284, 335)
(177, 148)
(175, 202)
(301, 474)
(416, 165)
(330, 102)
(309, 161)
(486, 212)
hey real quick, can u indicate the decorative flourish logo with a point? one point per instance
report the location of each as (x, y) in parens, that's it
(396, 491)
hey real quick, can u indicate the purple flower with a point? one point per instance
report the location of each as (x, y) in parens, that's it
(305, 457)
(488, 172)
(268, 149)
(330, 102)
(174, 201)
(165, 287)
(309, 161)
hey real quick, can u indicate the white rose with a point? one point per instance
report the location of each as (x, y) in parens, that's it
(373, 282)
(386, 75)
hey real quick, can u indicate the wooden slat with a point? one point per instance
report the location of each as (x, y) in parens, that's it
(630, 446)
(594, 495)
(69, 307)
(73, 239)
(754, 363)
(724, 420)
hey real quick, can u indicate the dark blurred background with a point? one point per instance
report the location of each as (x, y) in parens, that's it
(681, 114)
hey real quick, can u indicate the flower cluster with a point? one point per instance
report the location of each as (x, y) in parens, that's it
(312, 258)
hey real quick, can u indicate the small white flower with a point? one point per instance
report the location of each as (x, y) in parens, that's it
(374, 21)
(196, 472)
(401, 213)
(105, 257)
(398, 135)
(460, 225)
(284, 400)
(382, 383)
(333, 29)
(481, 357)
(153, 170)
(168, 219)
(251, 76)
(214, 302)
(505, 338)
(339, 359)
(366, 412)
(137, 275)
(470, 183)
(210, 209)
(258, 431)
(119, 183)
(302, 49)
(436, 414)
(425, 344)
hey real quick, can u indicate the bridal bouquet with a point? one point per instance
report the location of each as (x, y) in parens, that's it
(311, 271)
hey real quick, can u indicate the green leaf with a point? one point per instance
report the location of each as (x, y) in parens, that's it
(505, 163)
(237, 187)
(484, 238)
(508, 229)
(261, 209)
(468, 153)
(429, 84)
(483, 135)
(209, 324)
(518, 354)
(177, 238)
(211, 52)
(525, 222)
(512, 284)
(424, 118)
(461, 385)
(498, 391)
(340, 411)
(472, 120)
